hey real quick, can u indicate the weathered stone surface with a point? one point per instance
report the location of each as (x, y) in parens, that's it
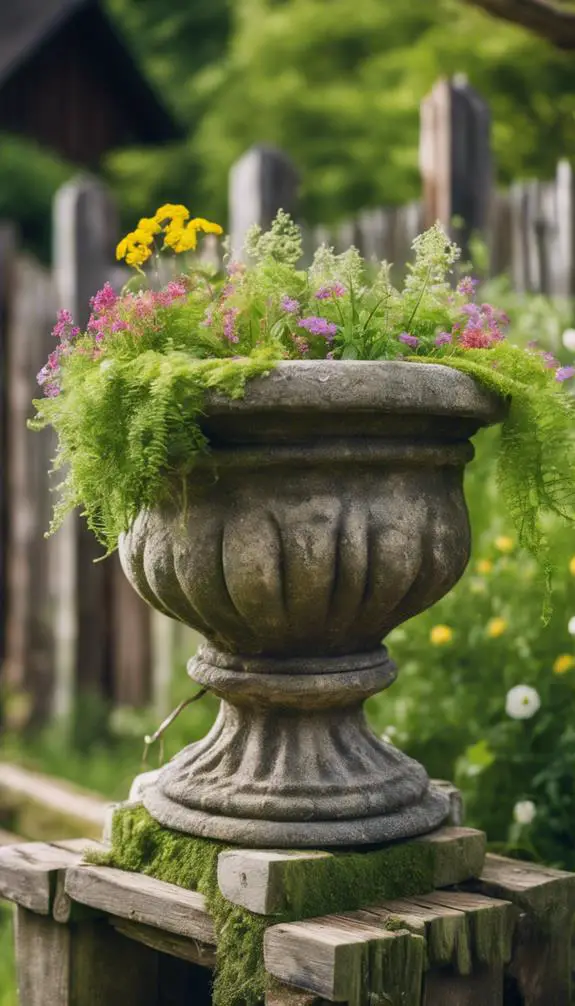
(329, 510)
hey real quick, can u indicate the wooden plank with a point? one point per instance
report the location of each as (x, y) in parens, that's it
(447, 934)
(320, 957)
(259, 880)
(28, 874)
(141, 899)
(84, 965)
(491, 922)
(166, 943)
(40, 806)
(540, 969)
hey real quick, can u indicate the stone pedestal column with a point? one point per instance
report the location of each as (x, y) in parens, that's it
(329, 510)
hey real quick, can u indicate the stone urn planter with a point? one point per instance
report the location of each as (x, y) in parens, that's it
(329, 510)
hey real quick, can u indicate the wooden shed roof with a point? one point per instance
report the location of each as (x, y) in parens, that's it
(27, 27)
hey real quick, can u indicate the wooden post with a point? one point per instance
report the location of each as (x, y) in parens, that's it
(7, 252)
(455, 159)
(29, 639)
(103, 628)
(262, 182)
(564, 262)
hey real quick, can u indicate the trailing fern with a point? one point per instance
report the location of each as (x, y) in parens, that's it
(126, 397)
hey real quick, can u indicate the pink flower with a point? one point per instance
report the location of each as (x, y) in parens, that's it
(230, 324)
(290, 304)
(333, 290)
(473, 337)
(466, 286)
(104, 300)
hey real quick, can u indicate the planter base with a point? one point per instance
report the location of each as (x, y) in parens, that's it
(429, 814)
(291, 761)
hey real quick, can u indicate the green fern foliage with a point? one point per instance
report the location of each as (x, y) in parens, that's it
(126, 397)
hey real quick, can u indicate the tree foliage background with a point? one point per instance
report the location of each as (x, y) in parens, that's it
(337, 85)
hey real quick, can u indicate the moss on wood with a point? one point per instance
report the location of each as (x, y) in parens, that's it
(341, 882)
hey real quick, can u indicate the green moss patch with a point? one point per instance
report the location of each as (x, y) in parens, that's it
(341, 882)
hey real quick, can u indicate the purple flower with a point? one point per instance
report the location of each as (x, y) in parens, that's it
(302, 345)
(319, 326)
(333, 290)
(103, 300)
(208, 317)
(442, 339)
(408, 340)
(118, 326)
(230, 324)
(329, 356)
(466, 286)
(549, 361)
(290, 304)
(564, 373)
(472, 310)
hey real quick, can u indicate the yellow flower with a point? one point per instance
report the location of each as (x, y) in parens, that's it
(137, 255)
(149, 224)
(504, 544)
(206, 226)
(563, 663)
(496, 627)
(572, 566)
(188, 239)
(122, 248)
(484, 566)
(440, 634)
(173, 234)
(171, 211)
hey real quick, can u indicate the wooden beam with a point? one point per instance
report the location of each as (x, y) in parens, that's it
(260, 880)
(182, 947)
(43, 807)
(28, 874)
(141, 899)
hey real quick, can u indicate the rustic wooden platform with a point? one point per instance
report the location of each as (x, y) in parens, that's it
(90, 935)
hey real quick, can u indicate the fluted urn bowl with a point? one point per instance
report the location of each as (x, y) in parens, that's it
(329, 510)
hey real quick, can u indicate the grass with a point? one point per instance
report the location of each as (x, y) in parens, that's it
(7, 976)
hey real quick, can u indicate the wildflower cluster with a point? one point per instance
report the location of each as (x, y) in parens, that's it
(172, 221)
(135, 380)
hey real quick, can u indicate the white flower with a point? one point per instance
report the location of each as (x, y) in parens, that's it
(571, 626)
(568, 339)
(522, 702)
(106, 364)
(524, 811)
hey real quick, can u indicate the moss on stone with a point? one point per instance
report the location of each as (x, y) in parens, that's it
(341, 882)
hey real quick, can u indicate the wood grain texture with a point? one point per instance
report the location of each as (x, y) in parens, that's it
(539, 973)
(85, 965)
(259, 879)
(28, 874)
(319, 957)
(141, 899)
(185, 949)
(280, 994)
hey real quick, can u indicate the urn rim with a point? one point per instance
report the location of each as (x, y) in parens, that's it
(386, 386)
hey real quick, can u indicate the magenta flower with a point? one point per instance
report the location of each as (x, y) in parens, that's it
(408, 340)
(290, 305)
(442, 339)
(64, 328)
(333, 290)
(319, 326)
(565, 373)
(104, 300)
(173, 291)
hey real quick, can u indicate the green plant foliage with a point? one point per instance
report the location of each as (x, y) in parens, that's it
(29, 178)
(448, 706)
(127, 397)
(343, 882)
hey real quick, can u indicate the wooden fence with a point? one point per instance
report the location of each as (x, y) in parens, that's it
(73, 634)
